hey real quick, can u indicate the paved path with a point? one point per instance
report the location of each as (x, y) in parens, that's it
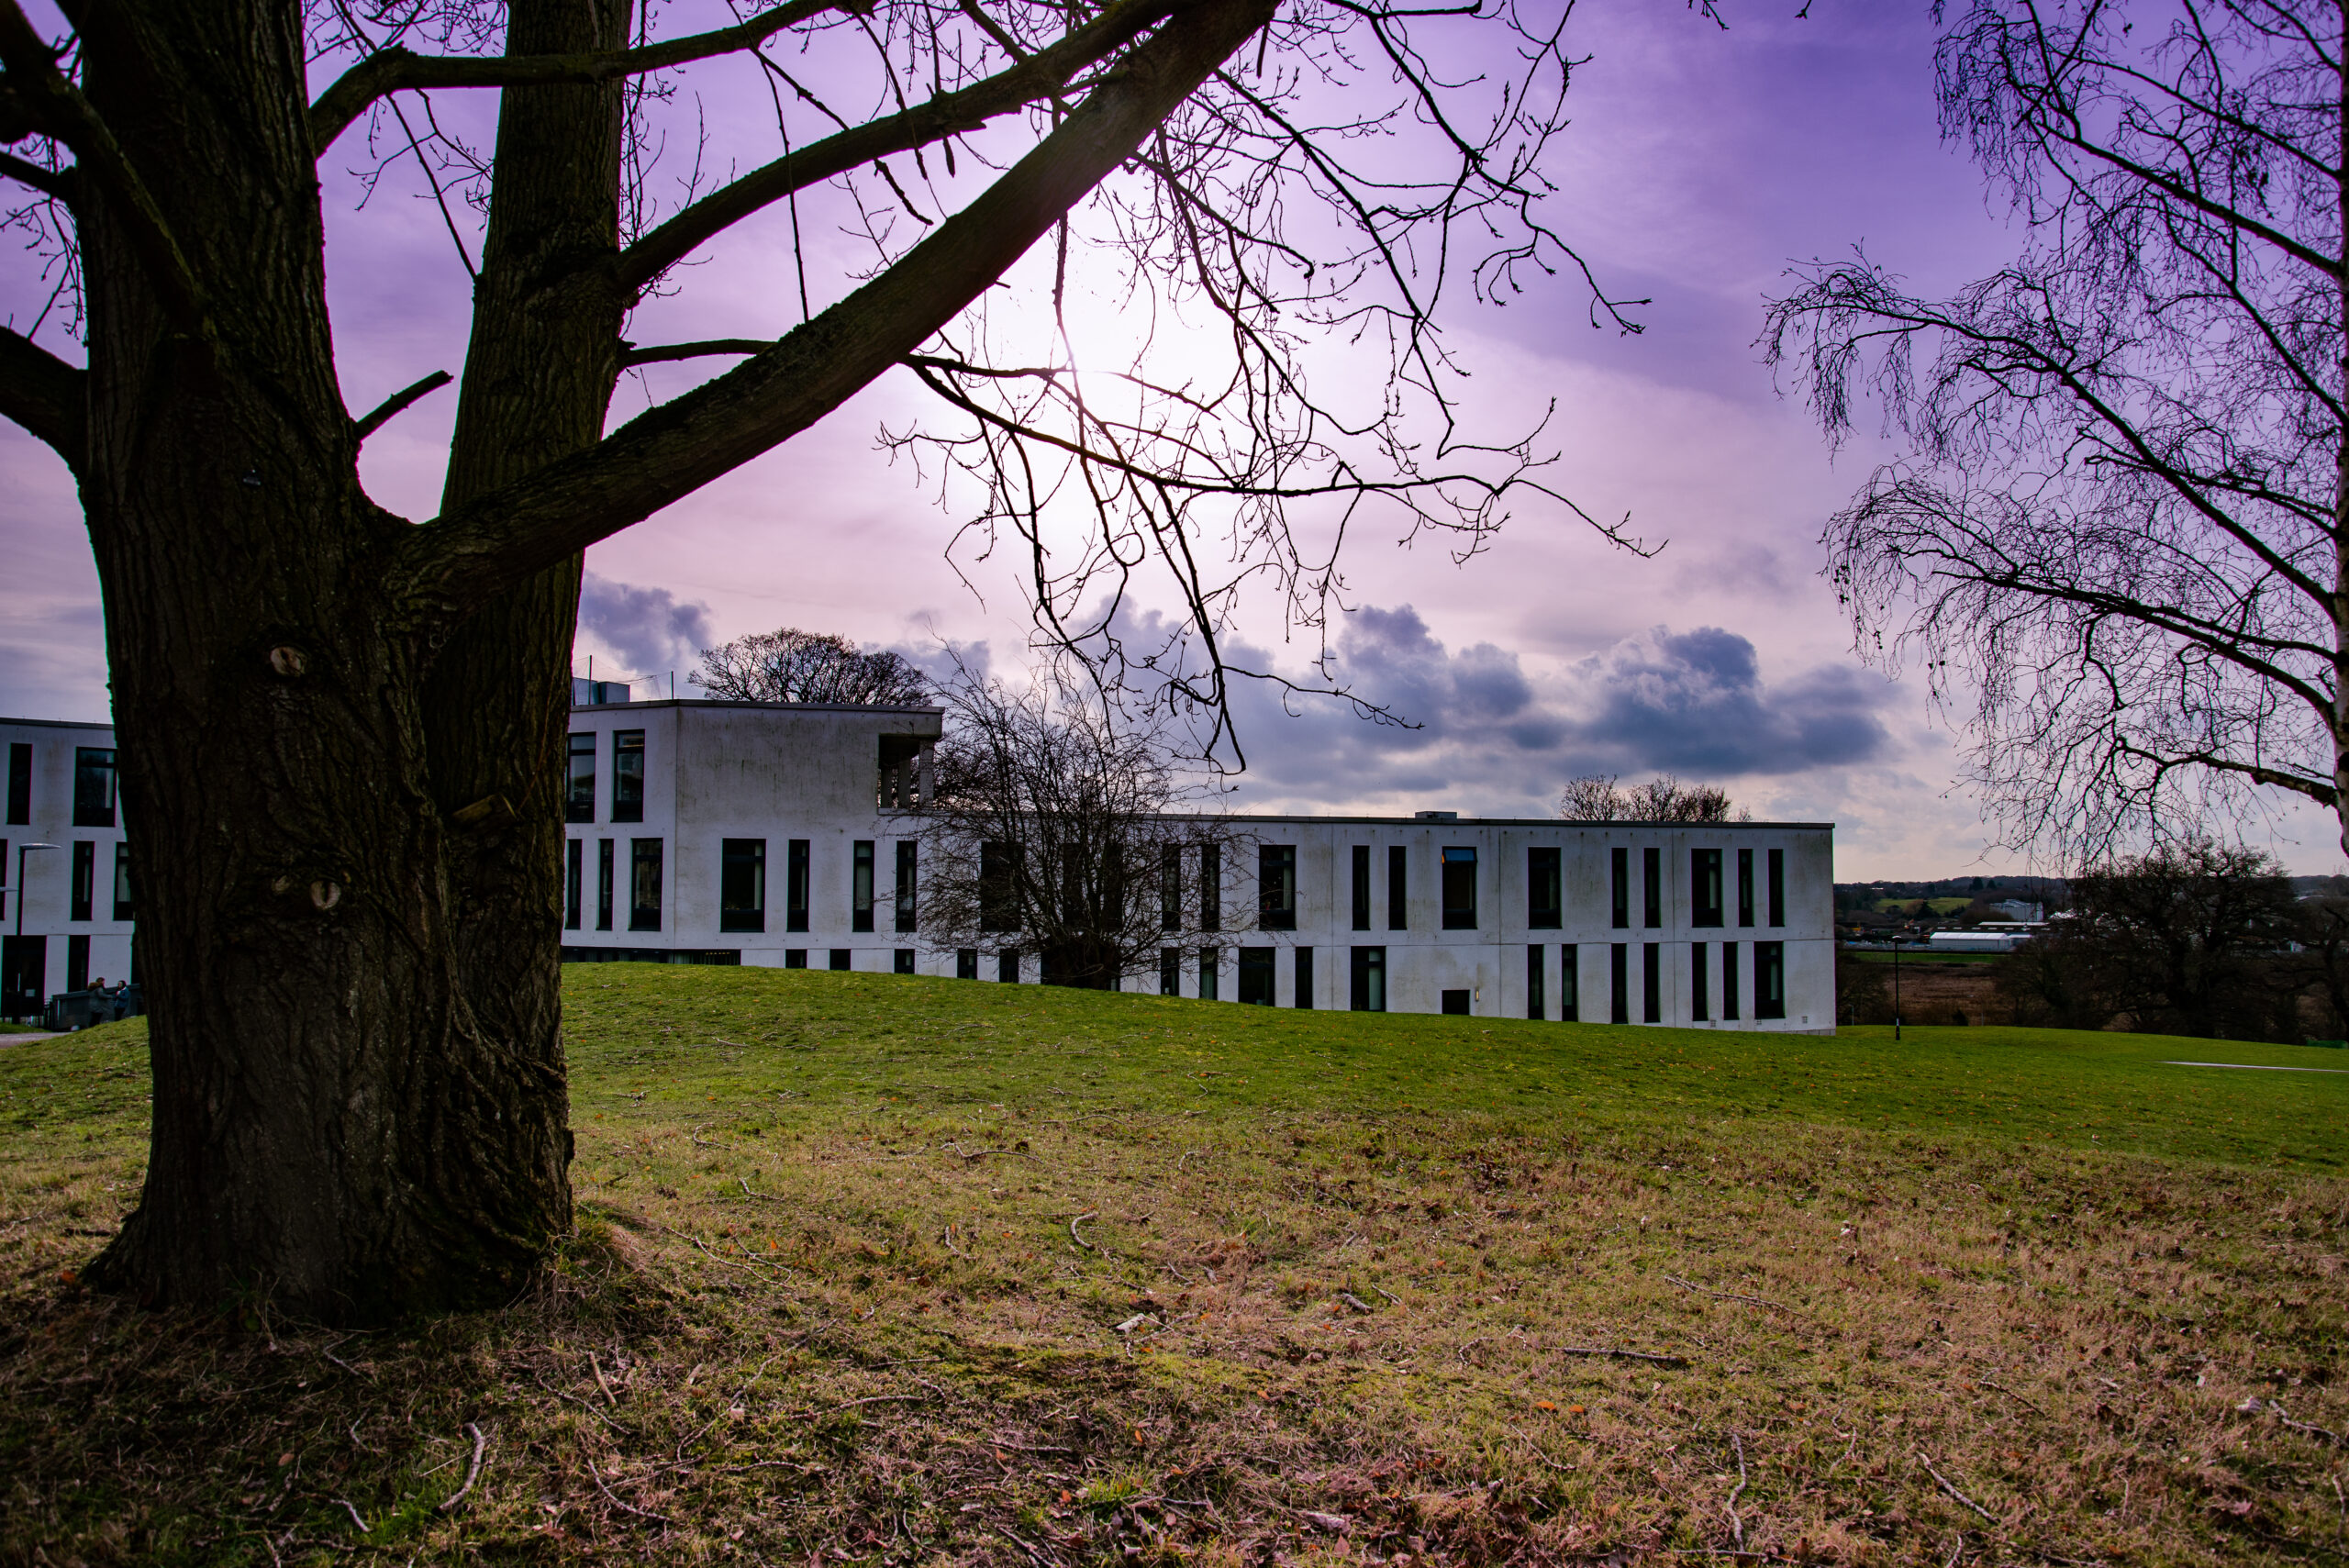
(2255, 1067)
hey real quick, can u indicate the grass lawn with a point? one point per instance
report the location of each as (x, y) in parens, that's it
(908, 1271)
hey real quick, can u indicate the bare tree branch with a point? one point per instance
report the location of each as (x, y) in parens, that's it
(384, 411)
(46, 395)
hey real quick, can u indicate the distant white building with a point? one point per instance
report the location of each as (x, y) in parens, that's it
(63, 866)
(789, 834)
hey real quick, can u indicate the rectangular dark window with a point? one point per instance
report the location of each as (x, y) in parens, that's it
(1398, 893)
(85, 878)
(1704, 887)
(905, 964)
(579, 781)
(1652, 888)
(1536, 962)
(1460, 889)
(1256, 977)
(1545, 887)
(1361, 888)
(840, 959)
(1651, 982)
(998, 886)
(627, 775)
(644, 884)
(1276, 887)
(1170, 890)
(1769, 980)
(93, 786)
(1007, 966)
(124, 904)
(742, 884)
(1457, 1002)
(1778, 887)
(1210, 981)
(1170, 972)
(1367, 985)
(1620, 886)
(859, 885)
(906, 851)
(1746, 887)
(1729, 981)
(1210, 887)
(574, 872)
(1303, 996)
(795, 885)
(77, 963)
(20, 783)
(967, 964)
(1569, 983)
(1619, 1001)
(795, 958)
(1699, 1005)
(603, 884)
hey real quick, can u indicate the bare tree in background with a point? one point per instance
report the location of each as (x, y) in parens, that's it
(791, 665)
(1060, 830)
(346, 724)
(2121, 531)
(1598, 798)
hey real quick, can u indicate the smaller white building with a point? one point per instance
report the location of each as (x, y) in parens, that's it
(63, 865)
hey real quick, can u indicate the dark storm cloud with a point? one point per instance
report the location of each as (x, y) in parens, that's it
(1694, 702)
(646, 627)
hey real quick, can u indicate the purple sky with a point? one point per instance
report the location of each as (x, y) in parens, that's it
(1701, 161)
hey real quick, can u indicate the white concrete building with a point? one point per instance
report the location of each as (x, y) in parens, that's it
(72, 900)
(786, 834)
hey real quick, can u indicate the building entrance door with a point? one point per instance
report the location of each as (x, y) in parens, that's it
(24, 970)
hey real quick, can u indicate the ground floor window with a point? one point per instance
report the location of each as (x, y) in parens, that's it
(1729, 981)
(1770, 980)
(1651, 982)
(905, 960)
(795, 958)
(1457, 1002)
(1569, 983)
(1304, 993)
(1211, 961)
(742, 884)
(840, 959)
(574, 872)
(1699, 1006)
(967, 964)
(1367, 983)
(644, 884)
(1536, 962)
(1256, 977)
(1007, 966)
(1619, 1002)
(1170, 972)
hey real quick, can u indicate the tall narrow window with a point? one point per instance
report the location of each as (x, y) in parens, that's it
(1704, 887)
(20, 783)
(1651, 888)
(124, 904)
(1536, 961)
(1729, 981)
(1170, 891)
(1460, 889)
(1618, 865)
(1361, 888)
(1769, 980)
(1276, 887)
(627, 775)
(742, 884)
(1569, 983)
(1746, 887)
(967, 964)
(1007, 966)
(1170, 972)
(85, 877)
(1398, 893)
(644, 884)
(1366, 984)
(1778, 887)
(998, 886)
(574, 872)
(1545, 907)
(1303, 996)
(1256, 977)
(1651, 982)
(603, 884)
(1210, 887)
(1211, 961)
(795, 885)
(93, 786)
(906, 851)
(860, 890)
(1700, 987)
(579, 780)
(77, 963)
(1619, 971)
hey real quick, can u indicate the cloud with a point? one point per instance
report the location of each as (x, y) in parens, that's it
(646, 628)
(1694, 702)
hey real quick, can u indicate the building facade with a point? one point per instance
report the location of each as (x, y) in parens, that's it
(790, 835)
(64, 867)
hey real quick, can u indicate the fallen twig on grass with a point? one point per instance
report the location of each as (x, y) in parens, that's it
(609, 1397)
(1625, 1355)
(1733, 1295)
(1089, 1214)
(1736, 1524)
(1537, 1453)
(949, 1239)
(1033, 1554)
(2011, 1394)
(606, 1491)
(1388, 1295)
(473, 1471)
(2325, 1432)
(354, 1516)
(1950, 1487)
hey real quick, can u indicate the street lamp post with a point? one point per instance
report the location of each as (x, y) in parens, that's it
(1896, 989)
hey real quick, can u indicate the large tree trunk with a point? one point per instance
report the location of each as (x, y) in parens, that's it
(351, 945)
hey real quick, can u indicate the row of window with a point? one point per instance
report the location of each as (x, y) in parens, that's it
(628, 778)
(81, 888)
(93, 785)
(742, 885)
